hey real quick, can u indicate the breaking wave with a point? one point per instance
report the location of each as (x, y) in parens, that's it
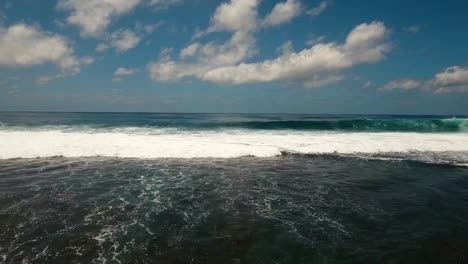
(148, 143)
(390, 125)
(209, 123)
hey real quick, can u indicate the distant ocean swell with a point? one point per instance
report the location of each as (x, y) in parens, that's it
(352, 125)
(404, 125)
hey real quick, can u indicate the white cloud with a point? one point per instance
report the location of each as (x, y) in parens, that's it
(205, 57)
(224, 63)
(164, 4)
(41, 80)
(190, 50)
(147, 28)
(367, 85)
(283, 13)
(124, 40)
(286, 49)
(242, 16)
(236, 15)
(101, 47)
(451, 80)
(319, 9)
(87, 60)
(94, 16)
(405, 84)
(412, 29)
(44, 79)
(23, 45)
(121, 72)
(366, 43)
(165, 53)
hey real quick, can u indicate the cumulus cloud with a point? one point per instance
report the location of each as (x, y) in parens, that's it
(121, 72)
(24, 45)
(366, 43)
(147, 28)
(94, 16)
(101, 47)
(286, 49)
(283, 13)
(236, 15)
(451, 80)
(123, 40)
(216, 62)
(203, 58)
(319, 9)
(242, 16)
(44, 79)
(190, 50)
(87, 60)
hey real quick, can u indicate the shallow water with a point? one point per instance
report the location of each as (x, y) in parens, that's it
(285, 209)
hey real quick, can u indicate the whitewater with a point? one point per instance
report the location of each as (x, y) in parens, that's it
(166, 143)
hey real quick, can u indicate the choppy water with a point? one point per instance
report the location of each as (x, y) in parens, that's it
(291, 209)
(173, 188)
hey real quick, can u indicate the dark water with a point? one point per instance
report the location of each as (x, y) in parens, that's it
(289, 209)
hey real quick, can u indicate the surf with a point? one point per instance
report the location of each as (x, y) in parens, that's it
(160, 143)
(372, 125)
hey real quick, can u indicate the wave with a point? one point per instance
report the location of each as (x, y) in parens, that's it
(429, 125)
(390, 125)
(221, 144)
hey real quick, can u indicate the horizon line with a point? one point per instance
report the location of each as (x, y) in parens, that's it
(222, 113)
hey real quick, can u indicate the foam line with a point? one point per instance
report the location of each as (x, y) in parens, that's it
(221, 144)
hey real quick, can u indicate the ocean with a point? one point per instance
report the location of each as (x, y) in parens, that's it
(232, 188)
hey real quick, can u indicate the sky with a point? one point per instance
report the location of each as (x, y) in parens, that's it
(235, 56)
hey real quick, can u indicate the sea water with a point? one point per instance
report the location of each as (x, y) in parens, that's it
(218, 188)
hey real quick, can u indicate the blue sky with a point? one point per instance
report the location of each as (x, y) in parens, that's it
(262, 56)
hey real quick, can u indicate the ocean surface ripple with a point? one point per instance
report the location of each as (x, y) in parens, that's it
(290, 209)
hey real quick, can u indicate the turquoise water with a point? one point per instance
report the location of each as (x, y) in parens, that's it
(242, 121)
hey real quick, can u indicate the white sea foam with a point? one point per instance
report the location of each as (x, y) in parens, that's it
(216, 144)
